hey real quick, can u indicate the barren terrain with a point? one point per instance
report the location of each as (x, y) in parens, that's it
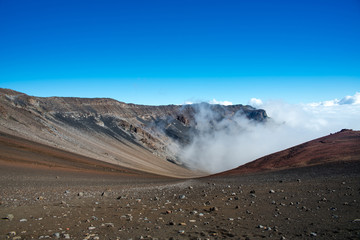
(67, 196)
(320, 202)
(74, 168)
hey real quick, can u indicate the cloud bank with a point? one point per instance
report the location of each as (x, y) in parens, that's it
(225, 103)
(232, 142)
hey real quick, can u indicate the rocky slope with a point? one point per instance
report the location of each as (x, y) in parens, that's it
(133, 136)
(343, 146)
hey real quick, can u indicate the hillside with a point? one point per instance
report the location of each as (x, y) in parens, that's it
(132, 136)
(342, 146)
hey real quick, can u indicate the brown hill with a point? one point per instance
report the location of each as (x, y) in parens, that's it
(339, 147)
(131, 136)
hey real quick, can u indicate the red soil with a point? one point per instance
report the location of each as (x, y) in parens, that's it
(339, 147)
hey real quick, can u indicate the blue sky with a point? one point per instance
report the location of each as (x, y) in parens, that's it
(170, 52)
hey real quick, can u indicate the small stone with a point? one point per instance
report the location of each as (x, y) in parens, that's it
(312, 234)
(260, 226)
(9, 217)
(91, 228)
(56, 235)
(182, 224)
(182, 197)
(105, 194)
(214, 209)
(109, 225)
(23, 220)
(66, 236)
(271, 191)
(12, 233)
(80, 194)
(181, 231)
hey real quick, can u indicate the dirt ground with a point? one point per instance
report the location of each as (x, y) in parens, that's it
(321, 202)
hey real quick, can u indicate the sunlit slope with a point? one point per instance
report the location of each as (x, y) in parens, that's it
(342, 146)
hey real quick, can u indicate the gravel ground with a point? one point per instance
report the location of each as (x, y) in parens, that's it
(309, 203)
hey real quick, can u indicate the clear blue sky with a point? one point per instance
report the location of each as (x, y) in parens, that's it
(169, 52)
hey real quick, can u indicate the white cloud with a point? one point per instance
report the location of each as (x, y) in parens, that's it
(188, 103)
(225, 103)
(347, 100)
(352, 100)
(231, 143)
(255, 102)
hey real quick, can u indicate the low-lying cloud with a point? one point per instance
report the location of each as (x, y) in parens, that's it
(226, 144)
(225, 103)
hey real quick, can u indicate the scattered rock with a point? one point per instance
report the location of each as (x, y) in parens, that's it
(9, 217)
(182, 196)
(109, 225)
(212, 209)
(66, 236)
(12, 234)
(105, 193)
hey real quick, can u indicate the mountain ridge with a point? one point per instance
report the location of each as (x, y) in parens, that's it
(342, 146)
(134, 136)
